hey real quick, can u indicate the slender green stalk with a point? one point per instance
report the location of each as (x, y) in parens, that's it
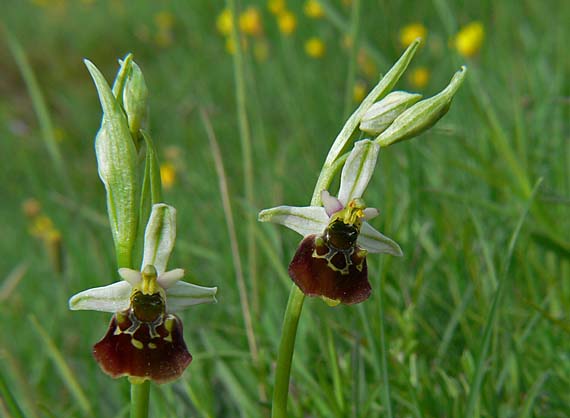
(40, 107)
(139, 399)
(285, 355)
(247, 154)
(355, 45)
(384, 354)
(226, 203)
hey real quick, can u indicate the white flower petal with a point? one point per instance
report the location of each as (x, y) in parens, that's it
(112, 298)
(375, 242)
(330, 203)
(370, 213)
(133, 277)
(358, 170)
(184, 294)
(159, 237)
(305, 220)
(170, 278)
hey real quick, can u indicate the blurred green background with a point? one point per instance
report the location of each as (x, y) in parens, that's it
(452, 199)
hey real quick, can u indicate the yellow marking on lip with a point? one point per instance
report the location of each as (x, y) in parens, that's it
(152, 345)
(137, 344)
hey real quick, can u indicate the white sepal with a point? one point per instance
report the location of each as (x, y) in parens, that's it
(169, 278)
(358, 170)
(375, 242)
(305, 220)
(183, 294)
(159, 237)
(112, 298)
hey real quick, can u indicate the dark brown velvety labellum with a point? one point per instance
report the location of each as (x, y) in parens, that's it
(322, 269)
(152, 350)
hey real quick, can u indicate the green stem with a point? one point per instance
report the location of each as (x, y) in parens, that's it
(285, 355)
(293, 311)
(139, 399)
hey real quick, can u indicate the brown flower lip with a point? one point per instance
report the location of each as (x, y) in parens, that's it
(144, 343)
(332, 266)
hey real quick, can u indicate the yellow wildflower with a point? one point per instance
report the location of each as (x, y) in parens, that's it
(224, 22)
(313, 9)
(358, 91)
(167, 175)
(164, 20)
(287, 22)
(276, 6)
(419, 77)
(410, 32)
(250, 21)
(469, 39)
(314, 47)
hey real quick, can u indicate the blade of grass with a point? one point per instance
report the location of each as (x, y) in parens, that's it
(335, 370)
(61, 366)
(236, 389)
(337, 20)
(247, 155)
(40, 107)
(11, 281)
(526, 410)
(8, 400)
(354, 45)
(386, 400)
(479, 373)
(226, 203)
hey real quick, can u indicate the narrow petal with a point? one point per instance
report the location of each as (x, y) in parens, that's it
(133, 277)
(159, 237)
(330, 203)
(358, 170)
(184, 294)
(305, 220)
(370, 213)
(112, 298)
(375, 242)
(170, 278)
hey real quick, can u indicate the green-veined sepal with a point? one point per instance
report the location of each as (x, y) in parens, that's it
(112, 298)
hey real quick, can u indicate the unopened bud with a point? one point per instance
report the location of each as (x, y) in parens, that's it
(381, 114)
(423, 115)
(135, 100)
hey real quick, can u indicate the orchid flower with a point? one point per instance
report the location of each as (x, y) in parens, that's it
(144, 339)
(330, 261)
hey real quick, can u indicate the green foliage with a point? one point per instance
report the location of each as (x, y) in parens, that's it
(440, 336)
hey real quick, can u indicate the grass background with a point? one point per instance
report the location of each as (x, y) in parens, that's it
(452, 198)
